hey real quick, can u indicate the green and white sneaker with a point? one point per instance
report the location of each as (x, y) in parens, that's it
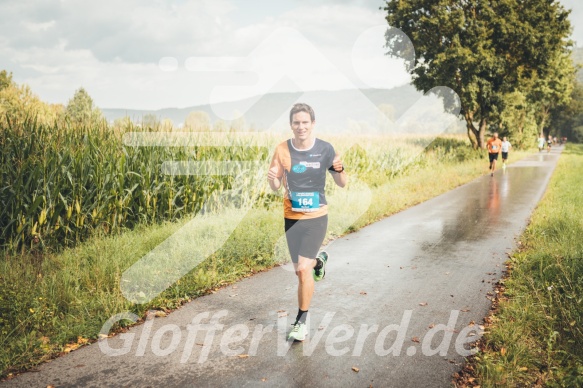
(320, 272)
(298, 333)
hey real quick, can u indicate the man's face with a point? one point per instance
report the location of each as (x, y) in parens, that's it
(302, 125)
(495, 135)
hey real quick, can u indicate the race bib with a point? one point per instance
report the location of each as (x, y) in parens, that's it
(305, 202)
(494, 147)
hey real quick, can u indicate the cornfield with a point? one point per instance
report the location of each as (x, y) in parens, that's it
(60, 183)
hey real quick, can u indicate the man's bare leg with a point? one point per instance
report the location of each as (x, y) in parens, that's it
(493, 167)
(304, 268)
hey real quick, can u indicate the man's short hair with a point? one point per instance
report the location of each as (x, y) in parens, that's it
(301, 107)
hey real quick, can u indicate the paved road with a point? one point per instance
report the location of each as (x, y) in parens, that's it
(421, 275)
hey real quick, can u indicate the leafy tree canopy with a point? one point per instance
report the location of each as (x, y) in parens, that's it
(480, 49)
(80, 108)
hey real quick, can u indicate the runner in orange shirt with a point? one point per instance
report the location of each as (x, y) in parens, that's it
(494, 148)
(299, 165)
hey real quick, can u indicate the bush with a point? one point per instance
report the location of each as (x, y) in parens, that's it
(454, 149)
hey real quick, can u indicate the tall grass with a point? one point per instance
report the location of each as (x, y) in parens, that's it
(62, 183)
(536, 336)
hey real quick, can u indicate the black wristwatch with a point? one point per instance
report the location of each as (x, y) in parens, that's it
(341, 170)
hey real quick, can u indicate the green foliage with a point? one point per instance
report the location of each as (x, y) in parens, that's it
(81, 110)
(577, 134)
(150, 121)
(62, 182)
(453, 149)
(518, 121)
(482, 50)
(567, 120)
(5, 79)
(19, 104)
(551, 87)
(197, 121)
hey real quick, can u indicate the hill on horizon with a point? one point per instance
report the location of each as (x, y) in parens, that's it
(335, 110)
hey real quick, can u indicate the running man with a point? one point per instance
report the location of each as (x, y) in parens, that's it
(549, 143)
(541, 142)
(494, 147)
(505, 147)
(299, 165)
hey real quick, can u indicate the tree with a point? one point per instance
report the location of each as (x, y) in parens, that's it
(18, 103)
(80, 108)
(552, 88)
(197, 121)
(480, 49)
(220, 126)
(568, 119)
(518, 120)
(5, 79)
(150, 120)
(167, 125)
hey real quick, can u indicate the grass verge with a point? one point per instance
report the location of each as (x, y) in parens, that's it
(54, 303)
(534, 337)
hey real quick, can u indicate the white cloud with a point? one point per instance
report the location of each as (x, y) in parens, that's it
(37, 27)
(132, 54)
(113, 49)
(318, 55)
(131, 30)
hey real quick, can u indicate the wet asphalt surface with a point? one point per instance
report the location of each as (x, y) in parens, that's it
(394, 310)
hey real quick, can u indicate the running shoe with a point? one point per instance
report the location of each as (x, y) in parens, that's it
(320, 270)
(298, 332)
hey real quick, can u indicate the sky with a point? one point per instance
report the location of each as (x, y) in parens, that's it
(178, 53)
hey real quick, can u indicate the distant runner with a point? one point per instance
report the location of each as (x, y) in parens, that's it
(541, 143)
(549, 143)
(505, 149)
(299, 165)
(494, 147)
